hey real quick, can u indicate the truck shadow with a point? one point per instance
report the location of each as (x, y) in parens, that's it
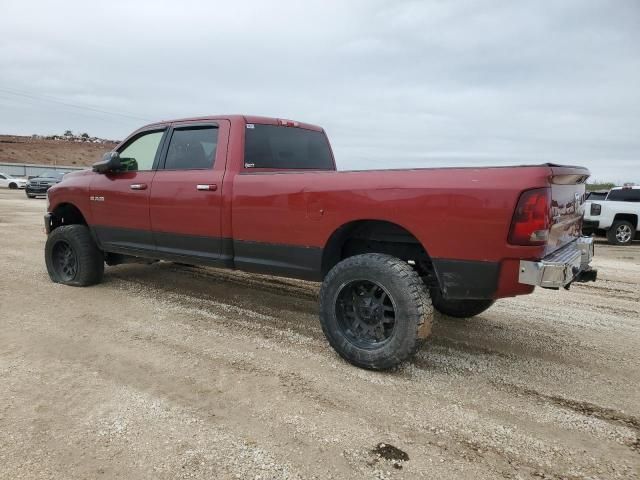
(291, 304)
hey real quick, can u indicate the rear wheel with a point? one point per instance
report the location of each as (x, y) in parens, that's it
(459, 308)
(622, 232)
(375, 310)
(72, 256)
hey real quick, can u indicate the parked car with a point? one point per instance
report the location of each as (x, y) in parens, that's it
(263, 195)
(616, 216)
(41, 184)
(7, 181)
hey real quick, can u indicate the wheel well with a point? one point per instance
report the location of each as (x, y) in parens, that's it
(67, 214)
(629, 217)
(375, 236)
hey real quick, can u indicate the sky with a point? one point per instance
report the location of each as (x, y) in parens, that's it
(394, 83)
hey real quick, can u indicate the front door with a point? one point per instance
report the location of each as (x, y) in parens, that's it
(120, 200)
(186, 194)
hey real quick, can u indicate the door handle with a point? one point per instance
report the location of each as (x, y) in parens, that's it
(138, 186)
(207, 187)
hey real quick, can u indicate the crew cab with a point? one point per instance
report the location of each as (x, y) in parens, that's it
(616, 215)
(263, 195)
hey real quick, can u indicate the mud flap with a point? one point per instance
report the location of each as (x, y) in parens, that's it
(424, 330)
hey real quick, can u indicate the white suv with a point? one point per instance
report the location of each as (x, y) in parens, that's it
(617, 215)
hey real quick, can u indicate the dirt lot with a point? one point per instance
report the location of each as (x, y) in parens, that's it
(19, 149)
(167, 371)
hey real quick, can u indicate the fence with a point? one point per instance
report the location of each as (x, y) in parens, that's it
(32, 170)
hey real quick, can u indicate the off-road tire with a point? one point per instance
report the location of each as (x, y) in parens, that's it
(459, 308)
(13, 186)
(89, 259)
(413, 311)
(612, 233)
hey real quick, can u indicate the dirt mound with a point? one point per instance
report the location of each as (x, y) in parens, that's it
(17, 149)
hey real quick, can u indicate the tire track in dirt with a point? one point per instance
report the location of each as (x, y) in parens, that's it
(450, 344)
(584, 408)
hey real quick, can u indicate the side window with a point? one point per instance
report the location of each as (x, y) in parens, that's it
(141, 152)
(2, 177)
(625, 195)
(192, 148)
(614, 195)
(272, 146)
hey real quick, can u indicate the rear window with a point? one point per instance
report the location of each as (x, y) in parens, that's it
(625, 195)
(272, 146)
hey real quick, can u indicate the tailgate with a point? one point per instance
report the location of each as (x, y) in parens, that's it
(567, 204)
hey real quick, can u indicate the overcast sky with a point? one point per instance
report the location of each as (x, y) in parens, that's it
(395, 84)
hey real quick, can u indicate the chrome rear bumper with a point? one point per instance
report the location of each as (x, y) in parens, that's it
(559, 269)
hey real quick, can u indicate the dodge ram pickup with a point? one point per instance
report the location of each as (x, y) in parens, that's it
(263, 195)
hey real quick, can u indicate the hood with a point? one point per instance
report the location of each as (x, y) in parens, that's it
(45, 180)
(78, 173)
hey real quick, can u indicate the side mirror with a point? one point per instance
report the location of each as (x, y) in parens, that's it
(110, 162)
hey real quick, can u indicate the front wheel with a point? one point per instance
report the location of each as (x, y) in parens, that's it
(621, 232)
(13, 186)
(72, 256)
(375, 310)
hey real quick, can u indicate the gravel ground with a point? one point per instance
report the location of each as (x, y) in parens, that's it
(170, 371)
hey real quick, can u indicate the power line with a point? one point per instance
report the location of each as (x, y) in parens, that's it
(48, 98)
(28, 105)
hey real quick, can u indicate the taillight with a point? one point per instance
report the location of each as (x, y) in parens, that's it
(531, 220)
(596, 209)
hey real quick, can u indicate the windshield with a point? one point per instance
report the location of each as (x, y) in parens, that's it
(52, 176)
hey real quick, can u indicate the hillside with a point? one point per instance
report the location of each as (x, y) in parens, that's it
(70, 150)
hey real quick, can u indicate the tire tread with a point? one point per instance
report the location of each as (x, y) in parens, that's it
(418, 296)
(459, 308)
(90, 258)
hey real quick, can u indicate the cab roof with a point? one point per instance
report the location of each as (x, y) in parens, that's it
(240, 118)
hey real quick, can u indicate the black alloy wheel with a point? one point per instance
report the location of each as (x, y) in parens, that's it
(65, 261)
(366, 313)
(375, 310)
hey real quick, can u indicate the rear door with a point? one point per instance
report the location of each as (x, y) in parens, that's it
(120, 200)
(276, 212)
(186, 195)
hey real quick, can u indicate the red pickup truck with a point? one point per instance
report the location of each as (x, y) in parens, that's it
(263, 195)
